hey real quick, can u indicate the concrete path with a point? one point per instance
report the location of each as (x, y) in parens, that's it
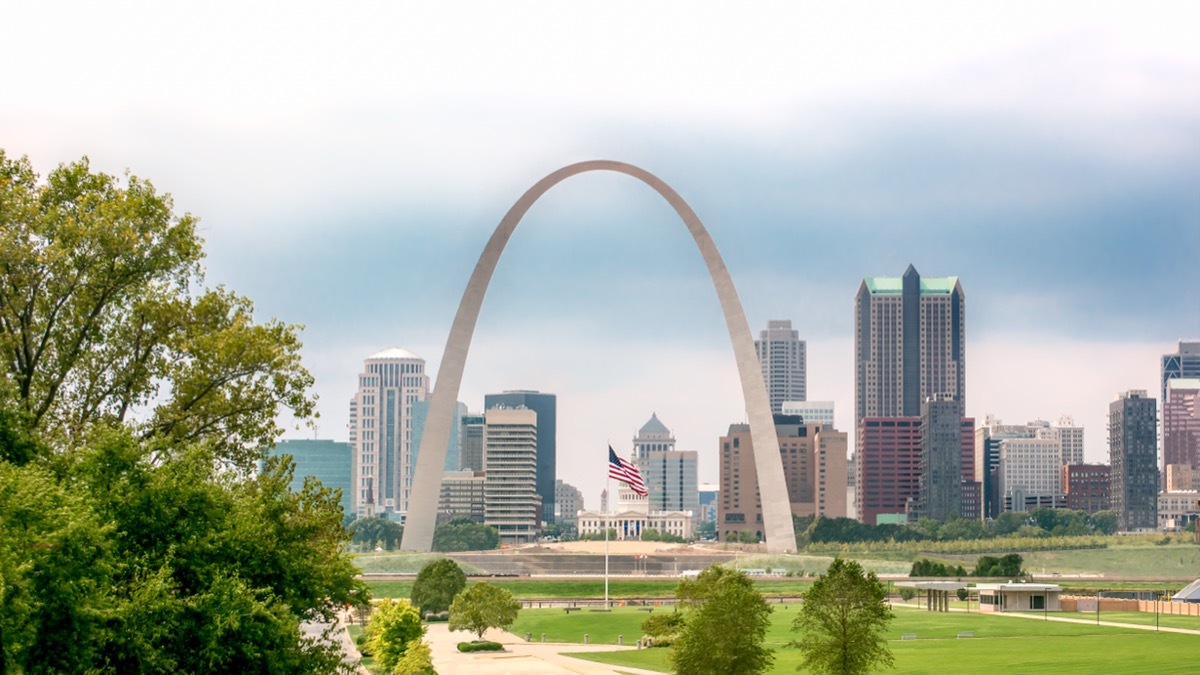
(518, 658)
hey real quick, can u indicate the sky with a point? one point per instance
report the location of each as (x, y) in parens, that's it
(348, 162)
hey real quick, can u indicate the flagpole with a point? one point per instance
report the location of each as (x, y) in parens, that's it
(607, 520)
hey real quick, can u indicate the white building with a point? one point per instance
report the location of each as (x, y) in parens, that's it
(568, 502)
(813, 412)
(1177, 509)
(511, 501)
(380, 431)
(1072, 440)
(784, 360)
(1030, 467)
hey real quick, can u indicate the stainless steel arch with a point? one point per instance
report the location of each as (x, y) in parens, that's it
(422, 510)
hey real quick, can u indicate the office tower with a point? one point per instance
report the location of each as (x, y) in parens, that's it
(510, 456)
(1072, 440)
(1030, 472)
(669, 474)
(381, 431)
(1184, 363)
(709, 494)
(1133, 455)
(1086, 486)
(327, 461)
(782, 355)
(813, 412)
(1181, 477)
(941, 458)
(471, 433)
(568, 502)
(888, 482)
(814, 467)
(909, 344)
(462, 496)
(1064, 435)
(545, 405)
(420, 411)
(1181, 423)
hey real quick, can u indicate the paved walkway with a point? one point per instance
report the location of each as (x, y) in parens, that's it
(518, 658)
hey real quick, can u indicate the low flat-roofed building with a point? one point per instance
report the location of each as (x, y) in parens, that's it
(1176, 510)
(1019, 597)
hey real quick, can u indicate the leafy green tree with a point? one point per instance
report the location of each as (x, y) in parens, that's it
(436, 585)
(724, 624)
(417, 660)
(1005, 566)
(1104, 522)
(483, 606)
(463, 534)
(907, 593)
(707, 529)
(394, 625)
(843, 620)
(373, 530)
(1007, 522)
(105, 321)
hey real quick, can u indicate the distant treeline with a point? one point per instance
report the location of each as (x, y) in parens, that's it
(986, 566)
(1033, 524)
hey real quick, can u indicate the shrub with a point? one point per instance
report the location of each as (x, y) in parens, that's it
(480, 646)
(907, 593)
(393, 625)
(431, 617)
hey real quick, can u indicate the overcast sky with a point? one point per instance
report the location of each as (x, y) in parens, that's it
(349, 160)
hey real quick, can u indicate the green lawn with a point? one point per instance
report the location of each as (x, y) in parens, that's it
(1140, 618)
(591, 588)
(1178, 561)
(1000, 645)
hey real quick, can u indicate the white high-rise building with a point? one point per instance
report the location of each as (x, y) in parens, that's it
(1030, 467)
(511, 501)
(784, 360)
(380, 431)
(1072, 440)
(813, 412)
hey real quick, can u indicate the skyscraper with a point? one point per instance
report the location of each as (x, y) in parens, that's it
(670, 475)
(511, 502)
(784, 360)
(380, 430)
(420, 412)
(545, 405)
(1184, 363)
(941, 458)
(471, 435)
(909, 344)
(1133, 456)
(1181, 423)
(327, 461)
(814, 467)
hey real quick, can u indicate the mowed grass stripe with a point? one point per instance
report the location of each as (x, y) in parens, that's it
(1132, 653)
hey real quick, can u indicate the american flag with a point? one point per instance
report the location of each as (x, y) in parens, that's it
(625, 472)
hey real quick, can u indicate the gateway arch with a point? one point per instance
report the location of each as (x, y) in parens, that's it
(427, 478)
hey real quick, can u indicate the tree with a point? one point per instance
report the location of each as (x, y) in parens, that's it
(843, 620)
(417, 660)
(662, 628)
(436, 585)
(104, 320)
(724, 624)
(1104, 522)
(907, 593)
(463, 534)
(481, 607)
(1004, 566)
(373, 530)
(394, 625)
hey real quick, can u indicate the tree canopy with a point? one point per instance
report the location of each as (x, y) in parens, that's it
(394, 625)
(462, 534)
(137, 533)
(724, 623)
(103, 319)
(483, 606)
(436, 585)
(843, 620)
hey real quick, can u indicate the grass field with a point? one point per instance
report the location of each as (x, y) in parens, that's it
(1001, 644)
(1139, 618)
(535, 588)
(1177, 561)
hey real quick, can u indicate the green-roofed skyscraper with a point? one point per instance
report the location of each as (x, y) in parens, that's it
(909, 344)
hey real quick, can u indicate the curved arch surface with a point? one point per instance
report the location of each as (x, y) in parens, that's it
(422, 513)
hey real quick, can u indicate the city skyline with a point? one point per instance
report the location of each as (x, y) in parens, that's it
(347, 165)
